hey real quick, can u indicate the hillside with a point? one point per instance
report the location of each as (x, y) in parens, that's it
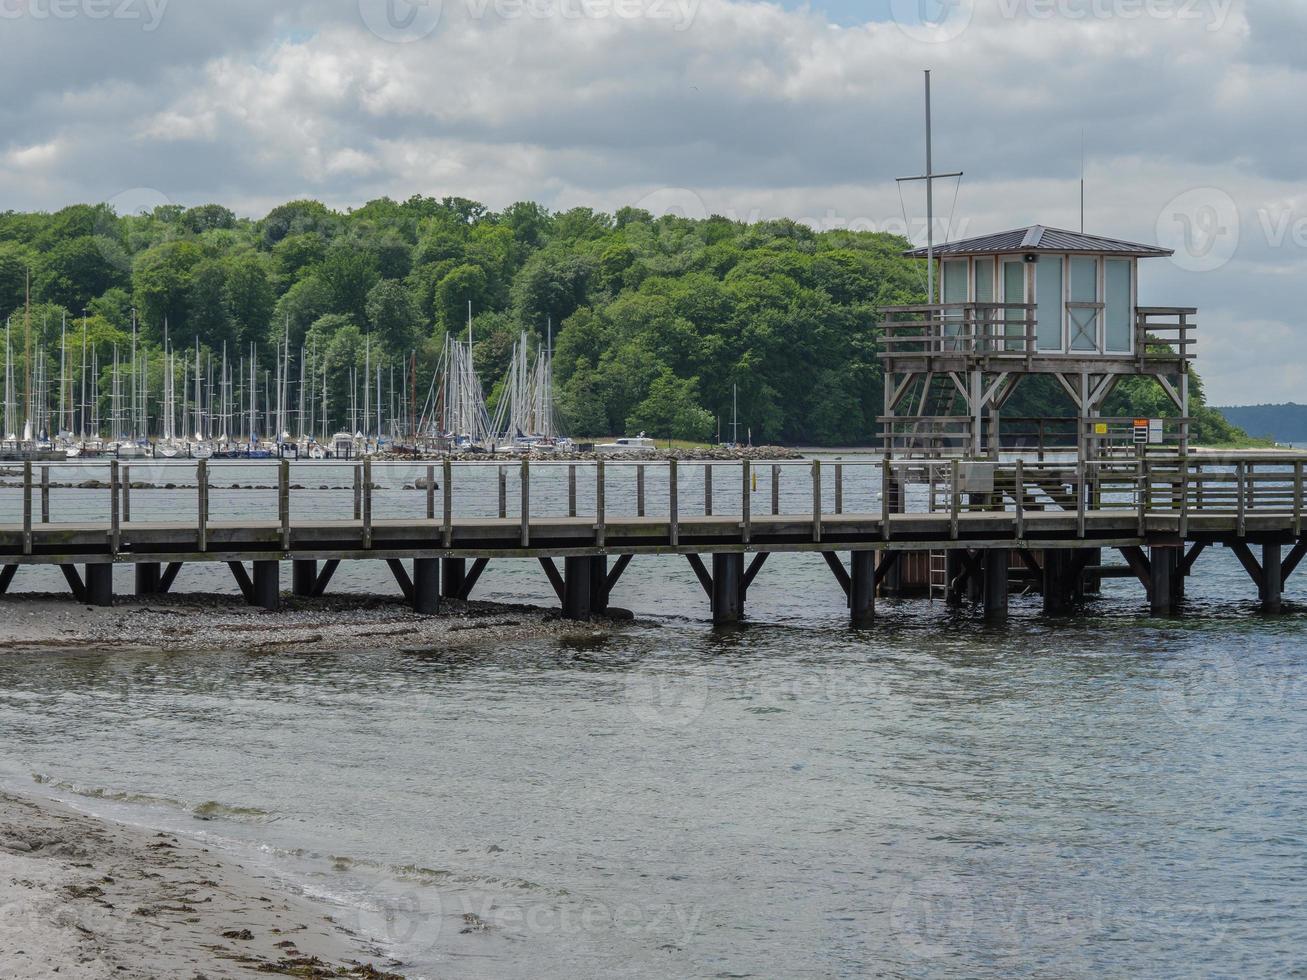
(1283, 423)
(654, 320)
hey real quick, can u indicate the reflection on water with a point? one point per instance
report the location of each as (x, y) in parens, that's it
(1108, 795)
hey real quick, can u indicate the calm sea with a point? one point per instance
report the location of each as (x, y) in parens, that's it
(1103, 796)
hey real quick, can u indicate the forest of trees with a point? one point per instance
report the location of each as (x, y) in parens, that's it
(655, 321)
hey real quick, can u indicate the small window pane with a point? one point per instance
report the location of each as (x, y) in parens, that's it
(1118, 312)
(984, 280)
(1048, 294)
(1084, 289)
(1014, 291)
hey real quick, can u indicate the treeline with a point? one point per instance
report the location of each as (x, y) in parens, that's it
(655, 322)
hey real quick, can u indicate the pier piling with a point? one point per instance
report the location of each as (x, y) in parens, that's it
(426, 586)
(576, 588)
(267, 585)
(996, 561)
(304, 578)
(862, 588)
(1272, 579)
(99, 585)
(1164, 565)
(149, 574)
(599, 584)
(453, 573)
(728, 588)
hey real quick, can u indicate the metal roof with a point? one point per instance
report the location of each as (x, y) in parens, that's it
(1038, 238)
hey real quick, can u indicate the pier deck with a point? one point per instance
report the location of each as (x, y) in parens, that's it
(1052, 521)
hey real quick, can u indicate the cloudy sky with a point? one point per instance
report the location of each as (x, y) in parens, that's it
(1192, 115)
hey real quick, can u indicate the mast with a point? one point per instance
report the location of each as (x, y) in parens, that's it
(83, 377)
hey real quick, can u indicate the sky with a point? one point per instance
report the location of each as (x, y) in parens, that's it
(1190, 114)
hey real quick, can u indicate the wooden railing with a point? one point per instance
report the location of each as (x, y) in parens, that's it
(967, 329)
(1165, 332)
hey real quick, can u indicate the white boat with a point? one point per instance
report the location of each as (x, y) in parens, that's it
(201, 450)
(636, 444)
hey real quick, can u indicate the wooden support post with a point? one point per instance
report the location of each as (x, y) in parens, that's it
(886, 496)
(701, 573)
(955, 499)
(571, 489)
(555, 577)
(242, 578)
(862, 590)
(775, 490)
(599, 584)
(707, 490)
(115, 509)
(639, 490)
(673, 494)
(615, 576)
(839, 488)
(576, 588)
(324, 577)
(7, 574)
(1164, 564)
(728, 589)
(126, 483)
(837, 569)
(400, 574)
(75, 584)
(1060, 585)
(202, 505)
(453, 573)
(955, 573)
(45, 495)
(283, 502)
(367, 504)
(358, 493)
(267, 585)
(431, 493)
(99, 585)
(169, 577)
(304, 577)
(503, 493)
(996, 562)
(148, 575)
(525, 479)
(426, 586)
(1272, 582)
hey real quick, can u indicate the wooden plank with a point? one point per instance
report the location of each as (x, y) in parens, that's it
(839, 571)
(367, 504)
(746, 505)
(202, 506)
(887, 563)
(555, 577)
(169, 576)
(447, 519)
(1140, 565)
(601, 504)
(705, 579)
(45, 495)
(673, 493)
(473, 576)
(525, 515)
(431, 493)
(639, 490)
(755, 566)
(324, 578)
(283, 501)
(74, 580)
(707, 490)
(1187, 562)
(27, 507)
(816, 501)
(615, 574)
(1294, 559)
(1250, 563)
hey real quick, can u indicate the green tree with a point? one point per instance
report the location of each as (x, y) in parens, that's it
(671, 410)
(393, 316)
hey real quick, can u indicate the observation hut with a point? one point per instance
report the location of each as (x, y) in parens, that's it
(1030, 302)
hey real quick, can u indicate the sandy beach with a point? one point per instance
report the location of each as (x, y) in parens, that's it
(87, 899)
(222, 622)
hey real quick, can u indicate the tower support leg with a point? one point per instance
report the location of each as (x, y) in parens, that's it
(862, 589)
(599, 584)
(148, 575)
(1165, 570)
(99, 585)
(1273, 587)
(267, 585)
(1060, 586)
(955, 568)
(728, 589)
(576, 588)
(426, 586)
(304, 577)
(453, 573)
(996, 561)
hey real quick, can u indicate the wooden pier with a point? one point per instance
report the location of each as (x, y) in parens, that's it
(1044, 524)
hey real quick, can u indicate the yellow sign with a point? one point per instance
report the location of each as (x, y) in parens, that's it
(1100, 428)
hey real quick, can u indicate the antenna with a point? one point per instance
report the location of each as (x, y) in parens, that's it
(930, 177)
(1082, 180)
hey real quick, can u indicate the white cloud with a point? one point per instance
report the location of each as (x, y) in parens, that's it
(759, 110)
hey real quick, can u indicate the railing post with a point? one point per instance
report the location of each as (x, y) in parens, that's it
(775, 490)
(886, 479)
(431, 493)
(1144, 496)
(1184, 499)
(601, 529)
(503, 493)
(1297, 499)
(1082, 501)
(367, 504)
(707, 490)
(447, 518)
(571, 489)
(202, 505)
(639, 490)
(45, 495)
(839, 488)
(283, 501)
(526, 504)
(1019, 479)
(673, 504)
(955, 498)
(746, 505)
(358, 492)
(27, 507)
(816, 501)
(1241, 476)
(127, 494)
(115, 513)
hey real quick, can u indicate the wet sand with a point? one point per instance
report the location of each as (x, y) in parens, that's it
(87, 899)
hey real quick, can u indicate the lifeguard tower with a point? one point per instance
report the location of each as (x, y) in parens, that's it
(1021, 303)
